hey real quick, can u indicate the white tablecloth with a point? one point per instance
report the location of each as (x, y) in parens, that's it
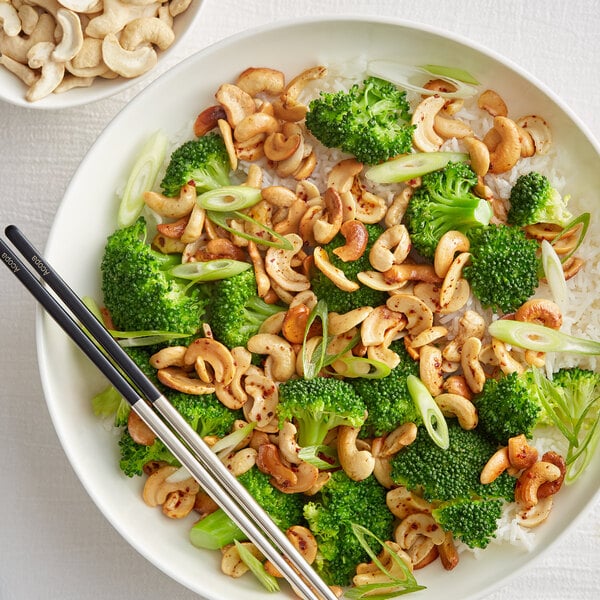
(54, 543)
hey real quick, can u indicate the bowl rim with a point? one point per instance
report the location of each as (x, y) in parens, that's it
(42, 319)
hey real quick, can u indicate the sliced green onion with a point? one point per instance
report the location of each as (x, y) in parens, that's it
(313, 454)
(409, 166)
(432, 416)
(312, 365)
(555, 276)
(227, 443)
(395, 586)
(578, 461)
(453, 72)
(584, 219)
(210, 270)
(220, 219)
(229, 198)
(257, 568)
(414, 78)
(539, 338)
(106, 402)
(366, 368)
(141, 178)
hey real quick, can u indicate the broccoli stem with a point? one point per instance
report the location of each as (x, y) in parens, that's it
(215, 531)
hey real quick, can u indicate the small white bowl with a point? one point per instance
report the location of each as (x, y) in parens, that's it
(13, 90)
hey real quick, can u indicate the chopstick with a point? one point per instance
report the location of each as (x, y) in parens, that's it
(159, 414)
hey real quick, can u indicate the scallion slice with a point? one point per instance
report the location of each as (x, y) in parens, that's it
(229, 198)
(210, 270)
(430, 412)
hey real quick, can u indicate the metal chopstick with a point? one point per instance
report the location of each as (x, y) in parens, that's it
(185, 444)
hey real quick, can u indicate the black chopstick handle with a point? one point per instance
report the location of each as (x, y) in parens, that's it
(78, 308)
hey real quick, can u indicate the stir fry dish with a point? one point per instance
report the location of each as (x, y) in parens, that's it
(365, 295)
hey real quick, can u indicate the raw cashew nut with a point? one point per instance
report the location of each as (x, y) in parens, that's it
(281, 358)
(127, 63)
(52, 72)
(357, 464)
(9, 19)
(72, 35)
(147, 30)
(424, 136)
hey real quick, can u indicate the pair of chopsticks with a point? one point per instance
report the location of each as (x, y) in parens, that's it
(157, 412)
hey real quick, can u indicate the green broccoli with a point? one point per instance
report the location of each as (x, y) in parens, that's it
(445, 202)
(205, 413)
(533, 199)
(578, 408)
(370, 121)
(235, 312)
(217, 529)
(338, 300)
(503, 271)
(330, 516)
(445, 475)
(139, 293)
(474, 521)
(318, 405)
(134, 456)
(510, 406)
(203, 161)
(388, 402)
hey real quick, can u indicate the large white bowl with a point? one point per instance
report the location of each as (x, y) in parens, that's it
(87, 215)
(12, 89)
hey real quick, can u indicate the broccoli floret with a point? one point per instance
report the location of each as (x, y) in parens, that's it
(503, 272)
(341, 503)
(579, 412)
(509, 406)
(205, 413)
(387, 399)
(134, 456)
(472, 521)
(139, 293)
(444, 475)
(318, 405)
(444, 202)
(217, 529)
(370, 121)
(533, 199)
(338, 300)
(236, 312)
(203, 161)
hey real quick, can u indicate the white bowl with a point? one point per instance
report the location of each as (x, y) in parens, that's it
(12, 89)
(87, 215)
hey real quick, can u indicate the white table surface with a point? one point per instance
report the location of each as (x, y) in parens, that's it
(54, 543)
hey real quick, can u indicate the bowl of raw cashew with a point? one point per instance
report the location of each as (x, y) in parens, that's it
(63, 53)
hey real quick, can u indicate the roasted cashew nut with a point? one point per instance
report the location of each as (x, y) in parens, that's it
(497, 464)
(418, 314)
(172, 208)
(356, 236)
(281, 358)
(508, 151)
(526, 488)
(492, 102)
(381, 320)
(479, 155)
(403, 503)
(453, 405)
(158, 486)
(216, 354)
(257, 80)
(450, 243)
(357, 464)
(520, 454)
(278, 266)
(424, 136)
(538, 130)
(469, 360)
(335, 275)
(430, 369)
(381, 255)
(415, 525)
(325, 228)
(237, 103)
(542, 311)
(304, 541)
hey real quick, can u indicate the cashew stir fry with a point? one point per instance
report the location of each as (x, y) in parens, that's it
(428, 306)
